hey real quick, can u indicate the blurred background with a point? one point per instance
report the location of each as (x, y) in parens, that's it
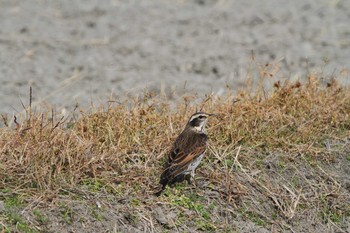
(89, 51)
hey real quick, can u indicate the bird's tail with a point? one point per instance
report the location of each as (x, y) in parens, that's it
(163, 183)
(157, 193)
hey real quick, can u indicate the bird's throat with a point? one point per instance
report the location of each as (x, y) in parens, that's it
(199, 129)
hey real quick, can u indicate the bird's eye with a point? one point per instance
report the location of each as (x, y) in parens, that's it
(201, 117)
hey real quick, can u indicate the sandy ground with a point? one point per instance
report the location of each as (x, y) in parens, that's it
(91, 51)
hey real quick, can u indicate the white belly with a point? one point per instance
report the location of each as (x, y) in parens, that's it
(194, 164)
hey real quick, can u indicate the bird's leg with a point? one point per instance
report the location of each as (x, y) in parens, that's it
(188, 179)
(193, 181)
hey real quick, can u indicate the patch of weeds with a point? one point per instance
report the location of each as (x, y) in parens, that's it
(193, 203)
(212, 206)
(229, 229)
(259, 163)
(24, 227)
(13, 217)
(274, 215)
(132, 218)
(67, 213)
(136, 187)
(229, 162)
(181, 219)
(329, 212)
(281, 165)
(40, 217)
(5, 228)
(135, 202)
(347, 211)
(261, 179)
(93, 185)
(309, 159)
(12, 204)
(64, 192)
(205, 226)
(181, 186)
(5, 190)
(174, 191)
(253, 217)
(302, 206)
(348, 157)
(294, 181)
(336, 217)
(202, 211)
(33, 185)
(97, 214)
(13, 201)
(16, 219)
(82, 219)
(116, 190)
(183, 201)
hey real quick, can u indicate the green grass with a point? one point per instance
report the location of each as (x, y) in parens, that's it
(67, 213)
(15, 219)
(40, 217)
(13, 201)
(93, 185)
(253, 217)
(12, 215)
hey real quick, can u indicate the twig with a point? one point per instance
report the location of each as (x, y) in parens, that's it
(18, 126)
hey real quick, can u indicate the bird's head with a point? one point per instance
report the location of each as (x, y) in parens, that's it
(198, 121)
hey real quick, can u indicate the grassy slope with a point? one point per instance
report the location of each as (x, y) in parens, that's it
(277, 161)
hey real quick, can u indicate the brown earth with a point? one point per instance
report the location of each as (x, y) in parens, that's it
(89, 51)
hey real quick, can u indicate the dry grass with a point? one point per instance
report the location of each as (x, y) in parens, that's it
(287, 132)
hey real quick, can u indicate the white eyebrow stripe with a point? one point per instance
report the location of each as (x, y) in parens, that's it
(196, 116)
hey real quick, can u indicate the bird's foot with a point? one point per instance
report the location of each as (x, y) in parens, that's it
(189, 179)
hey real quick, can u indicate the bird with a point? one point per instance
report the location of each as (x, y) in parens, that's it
(187, 152)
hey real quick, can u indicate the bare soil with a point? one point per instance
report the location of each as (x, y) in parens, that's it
(85, 52)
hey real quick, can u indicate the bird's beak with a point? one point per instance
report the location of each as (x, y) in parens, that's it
(212, 115)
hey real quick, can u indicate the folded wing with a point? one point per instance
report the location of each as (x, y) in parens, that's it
(181, 156)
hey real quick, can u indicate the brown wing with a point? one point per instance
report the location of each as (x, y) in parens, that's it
(181, 163)
(185, 144)
(185, 150)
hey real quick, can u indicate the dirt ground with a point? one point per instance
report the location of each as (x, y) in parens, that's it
(91, 51)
